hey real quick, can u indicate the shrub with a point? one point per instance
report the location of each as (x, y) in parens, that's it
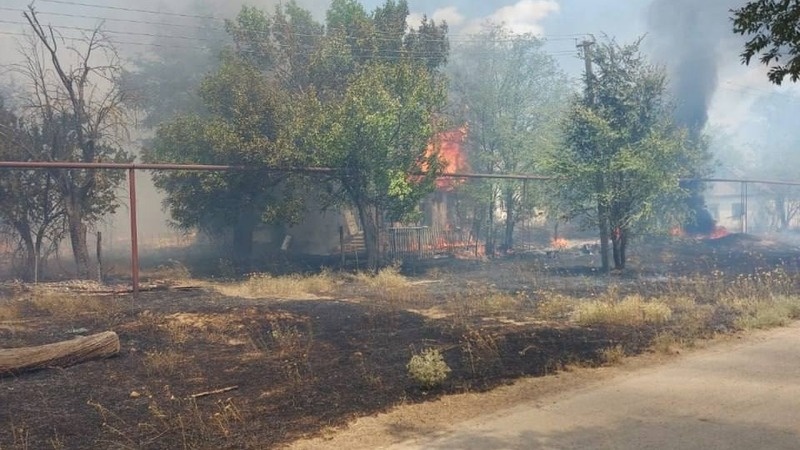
(428, 368)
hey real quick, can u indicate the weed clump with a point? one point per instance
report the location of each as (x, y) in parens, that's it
(632, 311)
(766, 313)
(265, 285)
(428, 368)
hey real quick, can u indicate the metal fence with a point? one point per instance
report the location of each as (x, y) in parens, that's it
(426, 242)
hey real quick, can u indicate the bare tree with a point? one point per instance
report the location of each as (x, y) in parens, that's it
(76, 101)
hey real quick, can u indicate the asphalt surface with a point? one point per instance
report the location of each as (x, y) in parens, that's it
(744, 395)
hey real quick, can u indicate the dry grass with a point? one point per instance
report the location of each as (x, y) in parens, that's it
(667, 343)
(173, 271)
(632, 310)
(480, 350)
(391, 288)
(556, 307)
(612, 355)
(215, 427)
(388, 278)
(163, 363)
(11, 310)
(767, 312)
(266, 286)
(64, 305)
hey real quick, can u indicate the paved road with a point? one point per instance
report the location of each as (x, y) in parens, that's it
(742, 396)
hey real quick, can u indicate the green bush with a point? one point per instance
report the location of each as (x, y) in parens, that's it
(428, 368)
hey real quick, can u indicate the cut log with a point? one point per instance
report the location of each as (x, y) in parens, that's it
(59, 354)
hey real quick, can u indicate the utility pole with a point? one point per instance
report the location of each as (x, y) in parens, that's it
(602, 208)
(586, 45)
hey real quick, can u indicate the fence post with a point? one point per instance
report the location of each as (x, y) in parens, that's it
(341, 245)
(99, 257)
(134, 231)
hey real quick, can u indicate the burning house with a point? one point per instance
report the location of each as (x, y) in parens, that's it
(440, 207)
(333, 230)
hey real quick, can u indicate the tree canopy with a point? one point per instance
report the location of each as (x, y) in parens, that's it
(512, 95)
(773, 36)
(360, 94)
(248, 112)
(623, 155)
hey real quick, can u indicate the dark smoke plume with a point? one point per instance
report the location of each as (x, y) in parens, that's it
(687, 36)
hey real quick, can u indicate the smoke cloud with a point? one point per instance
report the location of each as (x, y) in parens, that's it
(688, 36)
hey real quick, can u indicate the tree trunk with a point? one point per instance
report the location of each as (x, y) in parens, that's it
(30, 259)
(490, 241)
(77, 237)
(243, 241)
(59, 354)
(510, 220)
(603, 225)
(617, 241)
(368, 214)
(623, 248)
(780, 209)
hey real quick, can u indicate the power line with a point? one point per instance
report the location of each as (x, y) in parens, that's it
(110, 19)
(120, 8)
(451, 37)
(82, 39)
(129, 33)
(398, 54)
(197, 38)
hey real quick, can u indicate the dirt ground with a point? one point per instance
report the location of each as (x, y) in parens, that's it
(304, 366)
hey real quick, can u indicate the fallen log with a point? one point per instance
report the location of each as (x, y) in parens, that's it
(59, 354)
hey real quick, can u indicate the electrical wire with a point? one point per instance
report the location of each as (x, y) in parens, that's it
(451, 37)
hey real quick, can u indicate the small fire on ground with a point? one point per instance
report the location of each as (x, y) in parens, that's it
(719, 232)
(559, 243)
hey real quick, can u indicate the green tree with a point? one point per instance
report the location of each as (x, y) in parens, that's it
(773, 36)
(248, 114)
(512, 95)
(282, 43)
(380, 120)
(378, 136)
(623, 155)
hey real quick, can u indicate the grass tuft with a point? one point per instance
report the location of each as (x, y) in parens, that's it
(632, 310)
(164, 364)
(265, 285)
(612, 356)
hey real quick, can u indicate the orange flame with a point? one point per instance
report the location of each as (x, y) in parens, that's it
(450, 147)
(559, 243)
(718, 233)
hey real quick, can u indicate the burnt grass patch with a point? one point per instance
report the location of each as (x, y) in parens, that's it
(298, 367)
